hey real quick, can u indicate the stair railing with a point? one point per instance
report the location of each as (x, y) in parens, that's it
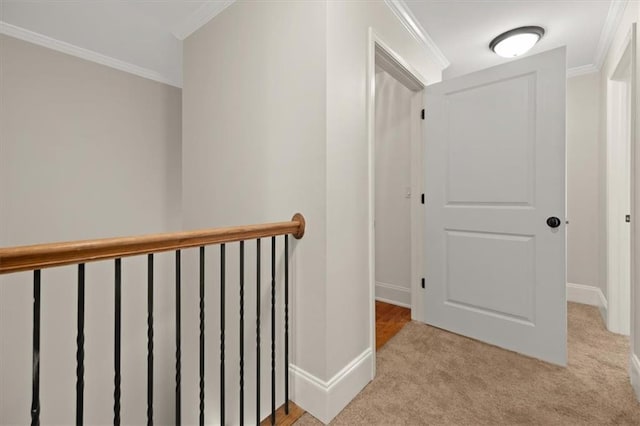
(41, 256)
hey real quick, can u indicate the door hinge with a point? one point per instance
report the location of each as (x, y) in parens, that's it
(422, 114)
(423, 282)
(422, 198)
(627, 218)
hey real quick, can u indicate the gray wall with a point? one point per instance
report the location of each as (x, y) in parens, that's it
(85, 152)
(392, 179)
(290, 134)
(254, 152)
(584, 237)
(348, 268)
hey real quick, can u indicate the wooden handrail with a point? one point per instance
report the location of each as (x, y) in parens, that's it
(40, 256)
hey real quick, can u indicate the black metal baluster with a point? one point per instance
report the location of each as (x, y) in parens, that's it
(241, 332)
(150, 339)
(201, 336)
(178, 336)
(116, 354)
(35, 378)
(222, 315)
(80, 349)
(273, 330)
(286, 324)
(258, 331)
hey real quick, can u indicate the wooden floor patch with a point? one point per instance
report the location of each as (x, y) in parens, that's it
(389, 321)
(283, 419)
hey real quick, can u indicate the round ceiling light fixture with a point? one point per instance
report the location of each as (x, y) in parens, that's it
(517, 41)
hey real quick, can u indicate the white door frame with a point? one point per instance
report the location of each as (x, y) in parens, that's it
(620, 126)
(400, 69)
(634, 362)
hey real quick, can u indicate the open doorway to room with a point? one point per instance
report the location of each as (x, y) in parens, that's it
(393, 194)
(620, 128)
(396, 167)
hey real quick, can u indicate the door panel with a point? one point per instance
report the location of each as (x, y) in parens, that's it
(474, 287)
(495, 171)
(475, 170)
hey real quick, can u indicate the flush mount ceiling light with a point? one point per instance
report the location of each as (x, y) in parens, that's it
(516, 42)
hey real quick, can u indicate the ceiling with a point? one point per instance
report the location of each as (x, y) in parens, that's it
(145, 36)
(462, 29)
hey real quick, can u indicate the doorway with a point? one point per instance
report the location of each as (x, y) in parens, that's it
(491, 237)
(395, 177)
(393, 192)
(619, 117)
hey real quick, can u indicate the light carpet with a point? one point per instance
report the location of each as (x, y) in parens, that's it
(429, 376)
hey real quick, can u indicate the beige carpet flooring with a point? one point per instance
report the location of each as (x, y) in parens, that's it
(429, 376)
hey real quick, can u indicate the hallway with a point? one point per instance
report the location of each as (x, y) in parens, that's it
(428, 376)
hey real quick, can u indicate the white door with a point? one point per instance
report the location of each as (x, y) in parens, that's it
(495, 174)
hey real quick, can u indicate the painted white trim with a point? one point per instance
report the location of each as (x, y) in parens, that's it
(634, 374)
(201, 16)
(621, 117)
(393, 302)
(325, 399)
(582, 70)
(417, 208)
(589, 295)
(397, 61)
(586, 294)
(614, 16)
(634, 210)
(86, 54)
(376, 42)
(394, 294)
(371, 123)
(411, 23)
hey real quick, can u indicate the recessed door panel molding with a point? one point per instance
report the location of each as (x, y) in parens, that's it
(494, 175)
(509, 294)
(497, 139)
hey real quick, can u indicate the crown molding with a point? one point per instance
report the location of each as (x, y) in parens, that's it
(611, 23)
(411, 23)
(582, 70)
(614, 16)
(86, 54)
(201, 16)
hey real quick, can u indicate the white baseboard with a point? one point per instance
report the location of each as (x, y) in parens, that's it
(394, 294)
(585, 294)
(588, 295)
(634, 374)
(324, 400)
